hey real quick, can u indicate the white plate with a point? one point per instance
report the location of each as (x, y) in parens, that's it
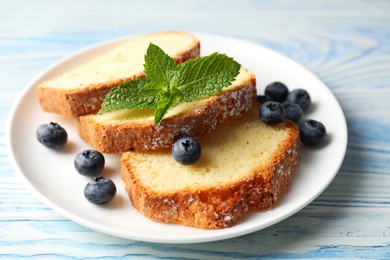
(52, 176)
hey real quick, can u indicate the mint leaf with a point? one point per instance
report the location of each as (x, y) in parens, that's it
(167, 100)
(206, 76)
(133, 94)
(158, 66)
(167, 84)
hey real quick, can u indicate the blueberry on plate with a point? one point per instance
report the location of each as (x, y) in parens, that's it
(293, 112)
(100, 190)
(277, 91)
(89, 162)
(262, 99)
(271, 112)
(300, 97)
(186, 150)
(312, 132)
(52, 135)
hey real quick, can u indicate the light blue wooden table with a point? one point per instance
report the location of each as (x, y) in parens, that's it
(345, 43)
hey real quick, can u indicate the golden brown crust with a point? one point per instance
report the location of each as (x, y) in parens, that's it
(76, 102)
(118, 138)
(89, 99)
(220, 206)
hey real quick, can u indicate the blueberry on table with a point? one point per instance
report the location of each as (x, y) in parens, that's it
(312, 132)
(277, 91)
(271, 112)
(52, 135)
(293, 112)
(300, 97)
(89, 162)
(100, 190)
(186, 150)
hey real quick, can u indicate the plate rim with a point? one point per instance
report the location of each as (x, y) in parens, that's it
(29, 87)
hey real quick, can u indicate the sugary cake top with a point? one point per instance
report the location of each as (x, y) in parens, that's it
(123, 61)
(233, 152)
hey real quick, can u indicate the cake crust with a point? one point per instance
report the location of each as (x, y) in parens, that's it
(220, 206)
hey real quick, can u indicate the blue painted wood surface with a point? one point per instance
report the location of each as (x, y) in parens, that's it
(345, 43)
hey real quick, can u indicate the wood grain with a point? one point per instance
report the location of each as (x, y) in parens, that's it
(347, 44)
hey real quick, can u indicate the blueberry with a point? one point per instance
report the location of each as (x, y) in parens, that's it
(300, 97)
(293, 111)
(277, 91)
(89, 163)
(312, 132)
(262, 99)
(52, 135)
(186, 150)
(100, 190)
(271, 112)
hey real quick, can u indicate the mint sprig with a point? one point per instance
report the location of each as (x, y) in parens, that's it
(166, 84)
